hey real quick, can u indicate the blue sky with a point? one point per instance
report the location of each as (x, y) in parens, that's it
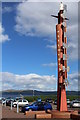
(25, 54)
(28, 47)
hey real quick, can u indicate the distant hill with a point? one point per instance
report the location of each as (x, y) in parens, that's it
(30, 92)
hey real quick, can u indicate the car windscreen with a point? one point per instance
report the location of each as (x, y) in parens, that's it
(77, 102)
(24, 101)
(19, 100)
(34, 103)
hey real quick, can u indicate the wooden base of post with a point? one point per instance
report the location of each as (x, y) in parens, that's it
(66, 114)
(53, 114)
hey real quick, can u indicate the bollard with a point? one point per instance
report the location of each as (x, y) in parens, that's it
(5, 103)
(2, 102)
(11, 104)
(17, 108)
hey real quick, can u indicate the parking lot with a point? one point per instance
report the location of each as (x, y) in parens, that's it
(21, 108)
(8, 113)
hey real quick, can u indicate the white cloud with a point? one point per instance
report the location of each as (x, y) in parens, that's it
(11, 0)
(52, 0)
(49, 64)
(74, 75)
(28, 81)
(52, 47)
(73, 41)
(35, 81)
(39, 0)
(73, 81)
(3, 37)
(37, 21)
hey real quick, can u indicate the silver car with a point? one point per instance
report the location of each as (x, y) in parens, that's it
(75, 104)
(21, 103)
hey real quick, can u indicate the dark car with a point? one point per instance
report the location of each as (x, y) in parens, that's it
(8, 101)
(55, 102)
(37, 106)
(68, 102)
(49, 100)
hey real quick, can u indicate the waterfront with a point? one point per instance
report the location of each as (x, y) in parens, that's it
(14, 94)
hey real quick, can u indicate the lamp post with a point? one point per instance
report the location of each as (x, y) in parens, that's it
(33, 93)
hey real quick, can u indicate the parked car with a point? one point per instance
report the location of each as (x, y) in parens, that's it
(8, 102)
(2, 98)
(39, 100)
(37, 106)
(55, 102)
(18, 98)
(49, 100)
(3, 101)
(21, 102)
(75, 104)
(68, 102)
